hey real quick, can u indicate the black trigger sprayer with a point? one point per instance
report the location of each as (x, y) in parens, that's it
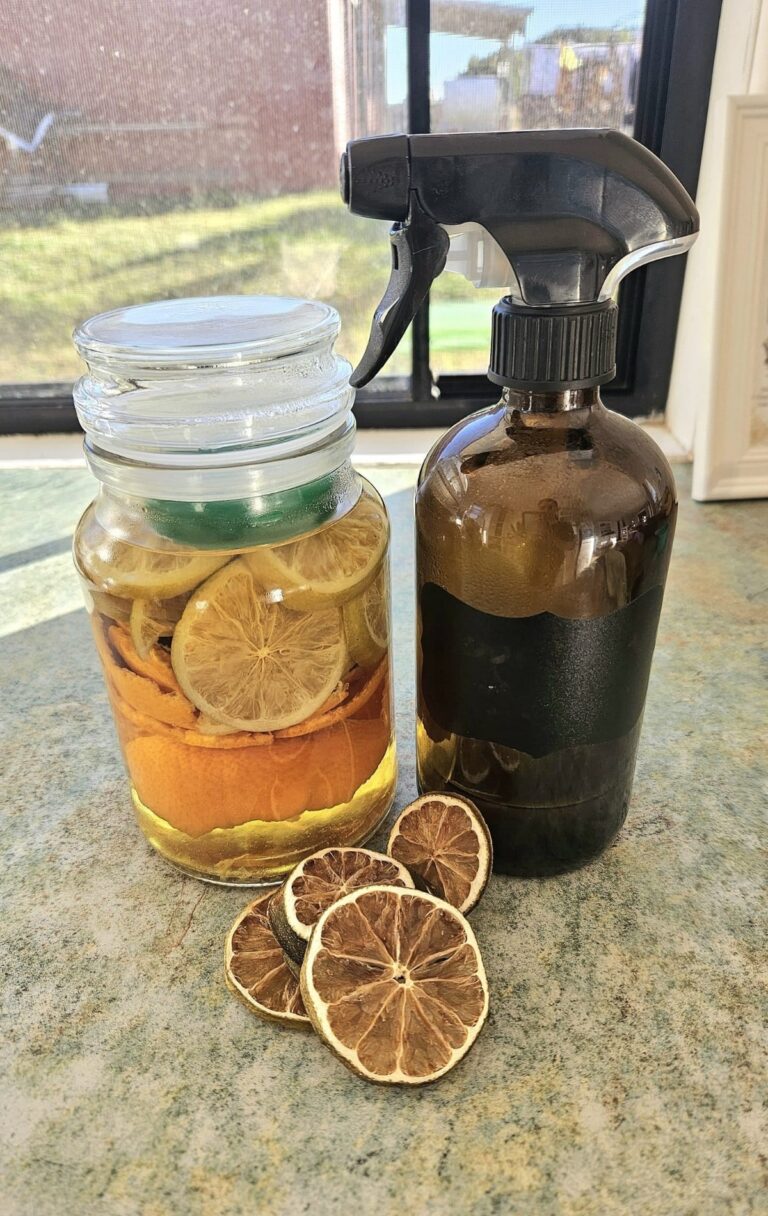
(570, 214)
(545, 523)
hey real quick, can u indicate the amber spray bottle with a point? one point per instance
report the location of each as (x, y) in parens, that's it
(544, 524)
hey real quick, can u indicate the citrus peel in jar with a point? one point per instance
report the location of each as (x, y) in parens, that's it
(197, 789)
(155, 665)
(368, 701)
(153, 619)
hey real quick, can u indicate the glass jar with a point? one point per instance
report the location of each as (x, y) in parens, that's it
(235, 569)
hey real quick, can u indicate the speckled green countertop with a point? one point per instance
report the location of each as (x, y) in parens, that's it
(622, 1069)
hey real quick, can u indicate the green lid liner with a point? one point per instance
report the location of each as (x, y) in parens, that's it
(246, 522)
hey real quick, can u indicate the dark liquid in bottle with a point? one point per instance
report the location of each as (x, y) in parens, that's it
(543, 545)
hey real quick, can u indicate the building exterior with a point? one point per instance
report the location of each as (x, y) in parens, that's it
(139, 97)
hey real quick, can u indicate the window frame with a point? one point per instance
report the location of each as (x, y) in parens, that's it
(679, 41)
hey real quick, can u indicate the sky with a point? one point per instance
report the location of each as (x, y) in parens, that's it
(451, 52)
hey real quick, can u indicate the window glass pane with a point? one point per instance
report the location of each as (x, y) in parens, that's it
(500, 66)
(191, 147)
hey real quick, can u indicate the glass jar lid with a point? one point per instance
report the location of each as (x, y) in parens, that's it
(201, 332)
(179, 394)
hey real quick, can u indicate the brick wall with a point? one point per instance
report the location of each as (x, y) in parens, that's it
(170, 96)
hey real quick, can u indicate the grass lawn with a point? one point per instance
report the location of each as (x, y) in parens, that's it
(53, 276)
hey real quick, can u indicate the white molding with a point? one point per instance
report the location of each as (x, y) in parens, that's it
(738, 69)
(727, 463)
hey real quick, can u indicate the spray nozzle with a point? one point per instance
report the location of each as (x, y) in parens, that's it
(558, 216)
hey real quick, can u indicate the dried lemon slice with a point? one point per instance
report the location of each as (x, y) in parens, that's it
(317, 882)
(330, 566)
(444, 841)
(154, 619)
(394, 984)
(253, 664)
(135, 572)
(256, 970)
(366, 623)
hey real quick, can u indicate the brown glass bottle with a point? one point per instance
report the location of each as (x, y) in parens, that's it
(544, 530)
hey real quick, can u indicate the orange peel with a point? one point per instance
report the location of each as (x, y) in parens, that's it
(156, 666)
(198, 789)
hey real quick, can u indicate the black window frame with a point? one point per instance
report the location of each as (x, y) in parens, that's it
(679, 41)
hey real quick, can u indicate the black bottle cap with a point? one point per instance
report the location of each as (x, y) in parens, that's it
(554, 347)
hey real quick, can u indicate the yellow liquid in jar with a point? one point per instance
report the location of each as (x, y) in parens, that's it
(234, 855)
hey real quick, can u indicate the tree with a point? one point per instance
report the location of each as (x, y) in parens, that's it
(482, 65)
(589, 34)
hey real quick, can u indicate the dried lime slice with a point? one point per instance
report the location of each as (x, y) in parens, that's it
(134, 572)
(327, 567)
(317, 882)
(445, 843)
(251, 663)
(366, 623)
(256, 970)
(394, 984)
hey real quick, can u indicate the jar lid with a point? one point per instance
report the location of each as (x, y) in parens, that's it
(181, 394)
(205, 331)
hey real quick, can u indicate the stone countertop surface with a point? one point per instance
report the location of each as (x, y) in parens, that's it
(622, 1069)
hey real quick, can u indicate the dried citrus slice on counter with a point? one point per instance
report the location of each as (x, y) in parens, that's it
(366, 623)
(135, 572)
(330, 566)
(394, 984)
(445, 843)
(154, 619)
(317, 882)
(251, 663)
(256, 970)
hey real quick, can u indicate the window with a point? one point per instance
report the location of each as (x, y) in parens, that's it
(190, 148)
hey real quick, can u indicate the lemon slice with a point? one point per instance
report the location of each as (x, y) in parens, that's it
(330, 566)
(154, 619)
(366, 623)
(394, 984)
(252, 664)
(135, 572)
